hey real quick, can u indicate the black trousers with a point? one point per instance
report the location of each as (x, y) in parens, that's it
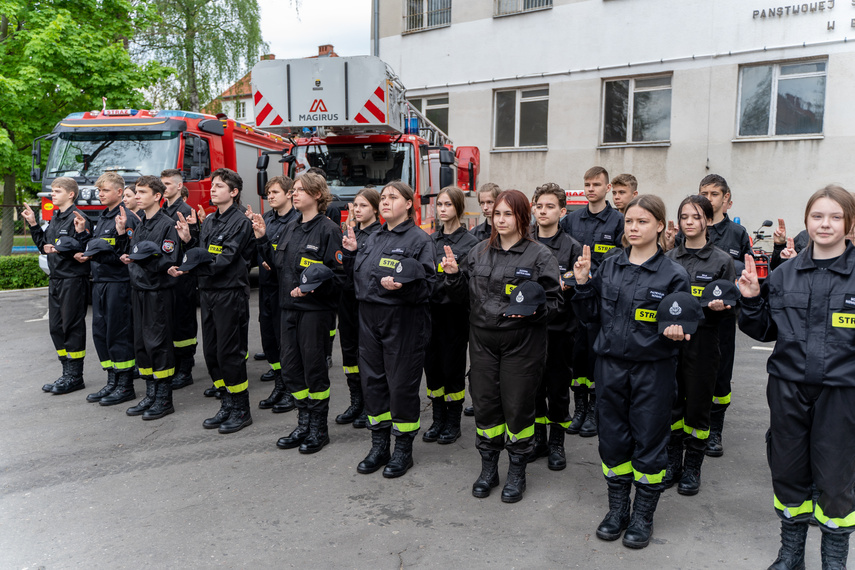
(225, 336)
(348, 336)
(67, 316)
(727, 347)
(634, 401)
(697, 371)
(584, 359)
(392, 341)
(505, 370)
(445, 361)
(810, 441)
(186, 327)
(304, 358)
(553, 394)
(270, 323)
(153, 320)
(112, 324)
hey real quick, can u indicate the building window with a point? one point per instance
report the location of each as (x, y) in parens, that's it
(426, 14)
(521, 118)
(508, 7)
(240, 109)
(782, 99)
(637, 110)
(435, 108)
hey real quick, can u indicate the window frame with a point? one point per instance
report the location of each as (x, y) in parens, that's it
(238, 105)
(628, 142)
(518, 100)
(521, 9)
(424, 14)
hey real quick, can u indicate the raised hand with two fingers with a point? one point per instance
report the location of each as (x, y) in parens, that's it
(749, 284)
(582, 267)
(449, 263)
(348, 241)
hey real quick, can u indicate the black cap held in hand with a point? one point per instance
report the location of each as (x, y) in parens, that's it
(314, 276)
(96, 246)
(723, 290)
(144, 250)
(526, 299)
(679, 308)
(194, 258)
(67, 244)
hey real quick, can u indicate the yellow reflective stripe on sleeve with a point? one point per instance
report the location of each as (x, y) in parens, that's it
(146, 371)
(581, 381)
(161, 374)
(275, 366)
(62, 352)
(351, 369)
(721, 399)
(697, 291)
(239, 388)
(406, 427)
(435, 393)
(219, 384)
(374, 420)
(790, 512)
(492, 432)
(527, 432)
(305, 261)
(183, 343)
(649, 478)
(319, 395)
(847, 522)
(645, 315)
(301, 395)
(602, 248)
(678, 425)
(616, 471)
(541, 420)
(456, 396)
(106, 364)
(696, 433)
(124, 365)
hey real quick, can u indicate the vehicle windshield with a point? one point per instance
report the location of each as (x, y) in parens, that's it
(350, 167)
(89, 155)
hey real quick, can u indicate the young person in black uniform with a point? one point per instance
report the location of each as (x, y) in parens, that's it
(807, 306)
(635, 366)
(151, 251)
(112, 330)
(394, 326)
(186, 327)
(362, 217)
(553, 395)
(506, 354)
(600, 227)
(224, 297)
(278, 193)
(67, 285)
(445, 361)
(309, 239)
(700, 356)
(487, 195)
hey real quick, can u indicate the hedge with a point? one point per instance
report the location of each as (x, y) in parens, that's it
(21, 272)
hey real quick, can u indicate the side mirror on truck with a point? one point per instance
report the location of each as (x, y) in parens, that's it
(261, 175)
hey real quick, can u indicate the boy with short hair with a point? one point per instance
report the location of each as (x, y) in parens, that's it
(624, 189)
(67, 283)
(487, 195)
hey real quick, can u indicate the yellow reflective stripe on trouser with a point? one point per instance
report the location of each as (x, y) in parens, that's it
(301, 395)
(275, 366)
(105, 364)
(62, 352)
(455, 397)
(435, 393)
(581, 381)
(649, 478)
(847, 522)
(617, 470)
(541, 420)
(146, 371)
(406, 427)
(183, 343)
(492, 432)
(161, 374)
(374, 420)
(351, 369)
(239, 388)
(565, 425)
(696, 433)
(790, 512)
(76, 355)
(527, 432)
(678, 425)
(124, 365)
(319, 395)
(721, 399)
(219, 384)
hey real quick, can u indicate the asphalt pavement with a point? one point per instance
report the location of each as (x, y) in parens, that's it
(86, 486)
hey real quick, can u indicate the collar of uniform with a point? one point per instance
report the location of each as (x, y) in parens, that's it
(586, 213)
(68, 212)
(175, 205)
(844, 265)
(148, 221)
(306, 226)
(722, 225)
(370, 228)
(105, 213)
(518, 247)
(400, 228)
(551, 242)
(453, 237)
(703, 253)
(651, 264)
(231, 210)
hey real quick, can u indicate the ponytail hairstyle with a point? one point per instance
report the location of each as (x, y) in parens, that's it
(702, 206)
(372, 196)
(521, 209)
(656, 207)
(458, 200)
(406, 192)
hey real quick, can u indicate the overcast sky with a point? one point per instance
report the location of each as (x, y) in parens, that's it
(346, 24)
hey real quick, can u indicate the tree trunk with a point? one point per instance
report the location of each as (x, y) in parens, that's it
(9, 199)
(190, 58)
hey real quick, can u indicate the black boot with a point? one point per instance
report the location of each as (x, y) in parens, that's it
(286, 404)
(318, 433)
(361, 421)
(541, 449)
(451, 430)
(556, 460)
(49, 387)
(222, 414)
(714, 443)
(147, 400)
(162, 401)
(617, 519)
(72, 382)
(674, 469)
(124, 391)
(402, 457)
(184, 374)
(690, 483)
(213, 392)
(279, 392)
(834, 550)
(469, 411)
(438, 408)
(379, 454)
(240, 416)
(356, 403)
(515, 484)
(489, 476)
(640, 527)
(270, 375)
(791, 555)
(296, 437)
(589, 426)
(111, 385)
(580, 399)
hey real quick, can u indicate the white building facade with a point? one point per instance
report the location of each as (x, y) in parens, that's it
(760, 92)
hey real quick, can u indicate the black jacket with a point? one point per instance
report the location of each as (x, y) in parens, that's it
(106, 266)
(361, 238)
(490, 274)
(302, 244)
(151, 274)
(566, 251)
(482, 231)
(378, 258)
(227, 236)
(705, 266)
(810, 313)
(601, 232)
(728, 236)
(184, 208)
(623, 299)
(799, 243)
(275, 225)
(61, 265)
(460, 241)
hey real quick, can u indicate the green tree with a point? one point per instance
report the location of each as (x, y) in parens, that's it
(57, 57)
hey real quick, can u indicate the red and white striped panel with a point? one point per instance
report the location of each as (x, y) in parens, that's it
(374, 110)
(264, 114)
